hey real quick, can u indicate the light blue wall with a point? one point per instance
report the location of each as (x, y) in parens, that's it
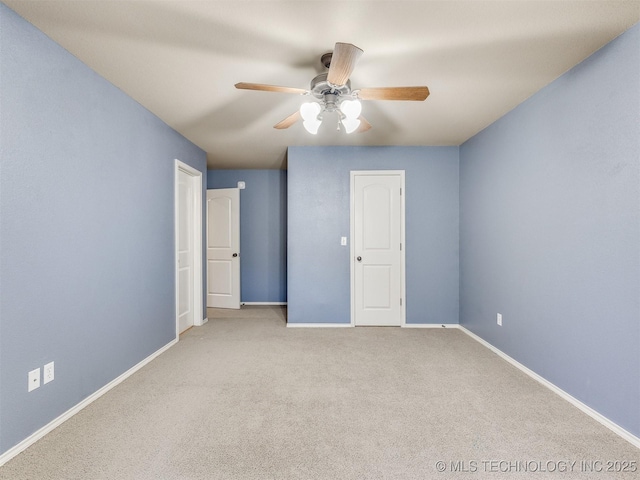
(550, 232)
(318, 215)
(86, 232)
(263, 231)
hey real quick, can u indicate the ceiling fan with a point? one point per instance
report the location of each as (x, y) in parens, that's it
(333, 93)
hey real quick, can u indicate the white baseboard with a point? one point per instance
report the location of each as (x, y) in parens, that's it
(318, 325)
(430, 325)
(34, 437)
(263, 303)
(406, 325)
(614, 427)
(202, 322)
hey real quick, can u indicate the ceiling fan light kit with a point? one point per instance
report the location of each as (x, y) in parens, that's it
(333, 93)
(348, 111)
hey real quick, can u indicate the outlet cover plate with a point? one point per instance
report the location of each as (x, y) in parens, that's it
(34, 379)
(48, 373)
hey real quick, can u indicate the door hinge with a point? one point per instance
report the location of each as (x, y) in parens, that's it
(400, 302)
(400, 191)
(400, 246)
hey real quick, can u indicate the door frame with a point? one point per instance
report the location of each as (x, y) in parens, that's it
(352, 254)
(196, 177)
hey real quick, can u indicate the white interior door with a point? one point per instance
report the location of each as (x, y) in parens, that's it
(223, 248)
(377, 248)
(185, 251)
(188, 247)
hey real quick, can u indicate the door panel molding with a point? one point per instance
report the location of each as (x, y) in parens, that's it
(400, 174)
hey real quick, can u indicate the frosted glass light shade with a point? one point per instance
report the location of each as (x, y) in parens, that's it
(310, 110)
(312, 126)
(350, 124)
(351, 108)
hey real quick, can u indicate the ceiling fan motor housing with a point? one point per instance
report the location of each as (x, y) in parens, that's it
(320, 87)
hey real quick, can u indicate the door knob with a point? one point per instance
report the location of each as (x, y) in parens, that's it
(234, 255)
(359, 259)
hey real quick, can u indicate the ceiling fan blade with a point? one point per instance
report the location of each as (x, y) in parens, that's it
(417, 94)
(290, 120)
(364, 125)
(269, 88)
(343, 61)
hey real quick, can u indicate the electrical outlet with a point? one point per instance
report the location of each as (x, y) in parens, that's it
(34, 379)
(47, 373)
(499, 319)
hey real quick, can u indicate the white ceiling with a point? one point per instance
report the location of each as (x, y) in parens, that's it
(181, 59)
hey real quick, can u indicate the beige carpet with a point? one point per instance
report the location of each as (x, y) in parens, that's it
(244, 397)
